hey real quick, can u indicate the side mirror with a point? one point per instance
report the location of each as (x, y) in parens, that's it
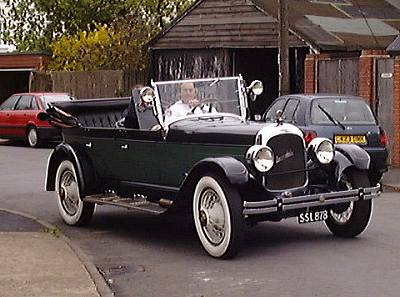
(147, 95)
(256, 88)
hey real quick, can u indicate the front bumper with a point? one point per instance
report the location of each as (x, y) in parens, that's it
(284, 203)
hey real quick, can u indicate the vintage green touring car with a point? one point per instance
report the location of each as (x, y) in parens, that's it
(209, 161)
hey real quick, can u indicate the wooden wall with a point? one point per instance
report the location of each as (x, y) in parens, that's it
(89, 84)
(223, 24)
(183, 64)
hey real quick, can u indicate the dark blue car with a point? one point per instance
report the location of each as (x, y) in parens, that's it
(341, 118)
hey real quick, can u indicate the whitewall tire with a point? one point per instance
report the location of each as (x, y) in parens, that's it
(72, 209)
(217, 213)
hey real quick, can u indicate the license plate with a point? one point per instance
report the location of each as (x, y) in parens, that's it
(312, 216)
(355, 139)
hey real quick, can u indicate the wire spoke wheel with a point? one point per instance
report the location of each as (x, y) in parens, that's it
(69, 193)
(70, 205)
(212, 216)
(342, 217)
(217, 214)
(352, 218)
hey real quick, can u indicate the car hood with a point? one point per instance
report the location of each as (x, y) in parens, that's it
(215, 131)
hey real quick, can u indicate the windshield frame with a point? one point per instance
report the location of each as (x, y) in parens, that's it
(242, 96)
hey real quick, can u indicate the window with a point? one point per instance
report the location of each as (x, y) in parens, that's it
(270, 115)
(34, 105)
(344, 110)
(290, 109)
(9, 103)
(24, 103)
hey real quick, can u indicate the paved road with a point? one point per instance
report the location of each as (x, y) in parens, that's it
(152, 256)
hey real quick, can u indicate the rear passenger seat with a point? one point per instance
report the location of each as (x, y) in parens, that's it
(106, 119)
(96, 112)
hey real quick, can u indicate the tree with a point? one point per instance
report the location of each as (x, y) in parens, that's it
(90, 34)
(34, 24)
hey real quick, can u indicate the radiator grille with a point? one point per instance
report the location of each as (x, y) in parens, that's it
(289, 169)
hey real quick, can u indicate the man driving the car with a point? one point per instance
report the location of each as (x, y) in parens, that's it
(189, 104)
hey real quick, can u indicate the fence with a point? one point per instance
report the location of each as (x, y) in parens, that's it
(89, 84)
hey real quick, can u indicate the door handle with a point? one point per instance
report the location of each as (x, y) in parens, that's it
(124, 147)
(89, 145)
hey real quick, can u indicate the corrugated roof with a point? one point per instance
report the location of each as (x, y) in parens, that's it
(394, 47)
(344, 25)
(341, 24)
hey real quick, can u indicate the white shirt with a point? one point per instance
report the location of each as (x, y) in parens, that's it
(180, 109)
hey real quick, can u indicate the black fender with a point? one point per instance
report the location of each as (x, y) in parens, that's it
(87, 178)
(348, 155)
(232, 169)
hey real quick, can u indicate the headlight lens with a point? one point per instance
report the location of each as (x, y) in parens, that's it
(323, 150)
(262, 157)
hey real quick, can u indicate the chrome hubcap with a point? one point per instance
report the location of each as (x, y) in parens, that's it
(69, 193)
(212, 216)
(32, 137)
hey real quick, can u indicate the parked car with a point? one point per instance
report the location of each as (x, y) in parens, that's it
(343, 119)
(18, 117)
(211, 162)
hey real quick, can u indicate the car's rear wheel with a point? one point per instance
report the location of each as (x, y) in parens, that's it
(72, 209)
(351, 219)
(217, 213)
(32, 137)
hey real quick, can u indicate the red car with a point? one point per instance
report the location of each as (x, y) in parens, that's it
(18, 117)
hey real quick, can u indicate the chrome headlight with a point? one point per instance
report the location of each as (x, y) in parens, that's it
(322, 150)
(262, 157)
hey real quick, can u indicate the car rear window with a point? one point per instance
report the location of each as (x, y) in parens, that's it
(344, 110)
(55, 98)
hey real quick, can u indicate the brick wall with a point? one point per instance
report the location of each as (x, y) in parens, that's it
(396, 115)
(32, 61)
(366, 78)
(309, 74)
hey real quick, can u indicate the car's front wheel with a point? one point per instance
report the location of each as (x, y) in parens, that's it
(351, 219)
(72, 209)
(217, 212)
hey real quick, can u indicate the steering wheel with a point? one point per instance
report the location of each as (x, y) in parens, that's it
(209, 104)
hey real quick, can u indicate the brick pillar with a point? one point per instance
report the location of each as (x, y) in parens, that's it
(309, 74)
(396, 115)
(366, 77)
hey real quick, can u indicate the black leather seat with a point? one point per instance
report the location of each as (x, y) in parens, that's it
(97, 112)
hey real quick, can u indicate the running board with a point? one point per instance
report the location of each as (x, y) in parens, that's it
(138, 203)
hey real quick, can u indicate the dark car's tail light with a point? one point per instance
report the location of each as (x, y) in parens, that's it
(383, 138)
(309, 135)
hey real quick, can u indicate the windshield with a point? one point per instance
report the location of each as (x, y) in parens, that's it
(56, 97)
(180, 99)
(344, 110)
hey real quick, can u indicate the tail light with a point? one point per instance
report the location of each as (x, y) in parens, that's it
(383, 138)
(309, 135)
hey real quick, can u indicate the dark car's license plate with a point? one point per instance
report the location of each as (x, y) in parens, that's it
(312, 216)
(355, 139)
